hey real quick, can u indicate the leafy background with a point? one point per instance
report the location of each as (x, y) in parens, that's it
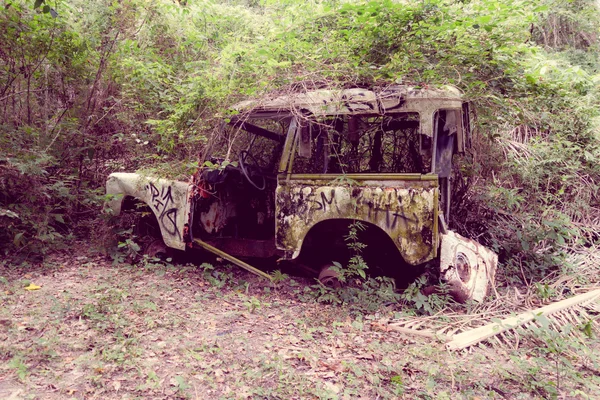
(89, 88)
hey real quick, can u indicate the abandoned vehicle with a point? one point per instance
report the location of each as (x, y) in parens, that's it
(285, 177)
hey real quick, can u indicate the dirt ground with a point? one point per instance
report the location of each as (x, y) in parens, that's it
(97, 331)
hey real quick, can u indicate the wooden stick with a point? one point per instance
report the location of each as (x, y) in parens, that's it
(424, 332)
(232, 259)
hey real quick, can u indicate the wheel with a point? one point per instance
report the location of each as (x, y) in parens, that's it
(329, 277)
(156, 249)
(246, 167)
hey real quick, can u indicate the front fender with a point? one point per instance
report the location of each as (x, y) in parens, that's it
(467, 266)
(168, 200)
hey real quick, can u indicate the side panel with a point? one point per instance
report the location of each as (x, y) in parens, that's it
(405, 209)
(167, 199)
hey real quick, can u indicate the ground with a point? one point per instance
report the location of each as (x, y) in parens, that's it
(154, 331)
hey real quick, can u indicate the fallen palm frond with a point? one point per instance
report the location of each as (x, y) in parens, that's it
(579, 274)
(460, 331)
(569, 311)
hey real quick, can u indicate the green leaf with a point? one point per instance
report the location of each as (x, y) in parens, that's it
(262, 52)
(484, 19)
(587, 329)
(8, 213)
(543, 320)
(18, 239)
(209, 165)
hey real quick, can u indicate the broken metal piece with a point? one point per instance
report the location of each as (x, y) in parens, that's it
(468, 267)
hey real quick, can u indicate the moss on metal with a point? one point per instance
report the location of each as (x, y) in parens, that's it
(405, 212)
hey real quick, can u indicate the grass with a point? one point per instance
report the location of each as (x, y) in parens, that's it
(156, 331)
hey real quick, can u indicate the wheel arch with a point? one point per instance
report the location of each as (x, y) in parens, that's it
(326, 242)
(294, 249)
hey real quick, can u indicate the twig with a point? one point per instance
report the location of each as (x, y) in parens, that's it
(22, 91)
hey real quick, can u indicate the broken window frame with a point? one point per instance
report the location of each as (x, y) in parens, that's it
(293, 136)
(444, 173)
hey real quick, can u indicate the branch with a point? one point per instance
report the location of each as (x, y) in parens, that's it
(22, 91)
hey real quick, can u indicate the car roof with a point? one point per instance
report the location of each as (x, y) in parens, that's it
(355, 101)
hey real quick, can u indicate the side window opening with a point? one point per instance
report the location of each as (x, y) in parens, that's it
(447, 130)
(239, 202)
(365, 144)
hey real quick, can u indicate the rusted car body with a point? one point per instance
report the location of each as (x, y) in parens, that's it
(286, 176)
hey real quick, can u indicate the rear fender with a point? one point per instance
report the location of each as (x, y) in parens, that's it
(468, 267)
(404, 206)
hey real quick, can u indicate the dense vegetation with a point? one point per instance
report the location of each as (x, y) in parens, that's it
(91, 88)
